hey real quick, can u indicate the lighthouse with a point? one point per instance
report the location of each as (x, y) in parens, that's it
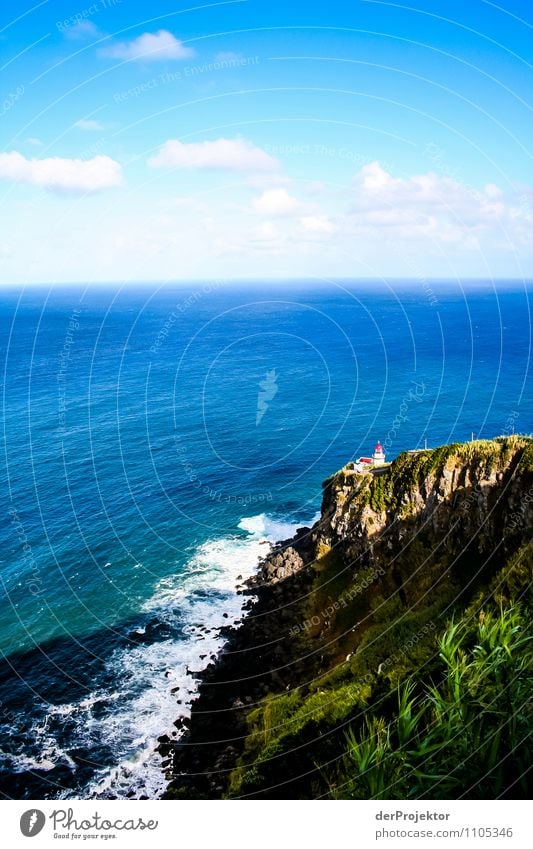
(378, 457)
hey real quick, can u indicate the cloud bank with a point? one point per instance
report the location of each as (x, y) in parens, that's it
(219, 155)
(62, 175)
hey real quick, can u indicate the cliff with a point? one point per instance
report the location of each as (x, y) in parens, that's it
(345, 612)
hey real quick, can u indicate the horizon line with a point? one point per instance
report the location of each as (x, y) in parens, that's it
(219, 282)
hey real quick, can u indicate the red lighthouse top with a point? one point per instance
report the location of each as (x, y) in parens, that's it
(378, 448)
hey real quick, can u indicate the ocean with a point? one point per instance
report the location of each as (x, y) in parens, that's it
(155, 437)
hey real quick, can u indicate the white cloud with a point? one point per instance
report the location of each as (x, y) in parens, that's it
(34, 142)
(317, 224)
(373, 177)
(397, 227)
(431, 205)
(88, 124)
(219, 155)
(276, 202)
(153, 47)
(421, 195)
(81, 31)
(62, 175)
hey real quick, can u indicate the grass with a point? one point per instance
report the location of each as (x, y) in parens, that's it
(468, 734)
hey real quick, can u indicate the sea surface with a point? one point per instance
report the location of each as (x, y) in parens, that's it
(156, 437)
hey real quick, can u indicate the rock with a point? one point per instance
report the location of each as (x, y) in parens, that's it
(281, 564)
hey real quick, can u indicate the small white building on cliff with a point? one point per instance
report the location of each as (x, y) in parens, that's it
(378, 457)
(363, 464)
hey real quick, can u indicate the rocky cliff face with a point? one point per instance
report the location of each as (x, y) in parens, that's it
(462, 491)
(445, 514)
(346, 608)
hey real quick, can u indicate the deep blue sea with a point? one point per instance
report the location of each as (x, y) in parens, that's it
(155, 436)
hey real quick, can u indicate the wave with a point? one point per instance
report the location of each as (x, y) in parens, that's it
(267, 527)
(155, 683)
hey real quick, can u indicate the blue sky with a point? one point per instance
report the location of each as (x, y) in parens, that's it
(264, 139)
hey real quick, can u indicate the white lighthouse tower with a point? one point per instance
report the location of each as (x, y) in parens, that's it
(378, 457)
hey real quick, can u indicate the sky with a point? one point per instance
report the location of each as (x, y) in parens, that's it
(258, 139)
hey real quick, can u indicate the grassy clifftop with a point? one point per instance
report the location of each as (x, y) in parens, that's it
(309, 685)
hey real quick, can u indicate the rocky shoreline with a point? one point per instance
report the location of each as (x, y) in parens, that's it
(257, 655)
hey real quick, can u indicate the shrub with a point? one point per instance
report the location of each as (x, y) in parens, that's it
(467, 734)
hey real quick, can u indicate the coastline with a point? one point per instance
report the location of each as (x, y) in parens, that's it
(316, 629)
(231, 684)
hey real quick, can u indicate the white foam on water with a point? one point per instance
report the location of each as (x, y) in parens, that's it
(268, 528)
(25, 763)
(144, 706)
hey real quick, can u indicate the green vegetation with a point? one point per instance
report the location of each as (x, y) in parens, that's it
(280, 728)
(468, 735)
(432, 712)
(412, 469)
(381, 491)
